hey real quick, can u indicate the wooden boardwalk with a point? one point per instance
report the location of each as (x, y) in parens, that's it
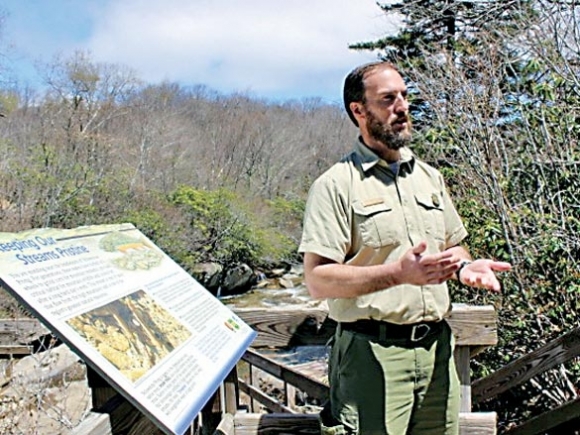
(227, 414)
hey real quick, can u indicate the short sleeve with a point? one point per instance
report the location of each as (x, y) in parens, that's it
(455, 231)
(326, 226)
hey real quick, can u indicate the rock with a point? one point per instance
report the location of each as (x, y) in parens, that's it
(285, 282)
(265, 283)
(221, 281)
(294, 279)
(209, 275)
(44, 393)
(238, 279)
(297, 269)
(275, 273)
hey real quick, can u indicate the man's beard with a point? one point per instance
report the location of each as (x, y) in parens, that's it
(384, 133)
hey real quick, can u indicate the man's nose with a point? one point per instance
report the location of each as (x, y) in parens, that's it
(401, 105)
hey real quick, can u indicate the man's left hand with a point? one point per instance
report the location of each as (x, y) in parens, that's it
(480, 274)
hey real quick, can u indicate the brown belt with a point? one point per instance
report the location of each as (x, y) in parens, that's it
(384, 330)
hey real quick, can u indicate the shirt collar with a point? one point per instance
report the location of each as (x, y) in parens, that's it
(369, 159)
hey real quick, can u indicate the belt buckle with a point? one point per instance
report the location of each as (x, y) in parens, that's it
(419, 332)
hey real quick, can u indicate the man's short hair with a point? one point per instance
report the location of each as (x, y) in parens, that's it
(354, 87)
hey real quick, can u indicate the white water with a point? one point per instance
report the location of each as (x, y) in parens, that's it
(295, 298)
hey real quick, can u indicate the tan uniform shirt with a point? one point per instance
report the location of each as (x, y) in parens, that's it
(360, 213)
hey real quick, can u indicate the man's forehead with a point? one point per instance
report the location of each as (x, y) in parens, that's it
(384, 80)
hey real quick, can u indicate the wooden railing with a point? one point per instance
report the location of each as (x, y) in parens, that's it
(557, 352)
(19, 338)
(474, 328)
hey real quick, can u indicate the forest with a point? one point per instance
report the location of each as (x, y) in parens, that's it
(495, 100)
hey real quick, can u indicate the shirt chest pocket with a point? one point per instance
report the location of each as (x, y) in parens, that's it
(432, 214)
(376, 223)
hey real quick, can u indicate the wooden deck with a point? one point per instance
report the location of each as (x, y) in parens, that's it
(230, 411)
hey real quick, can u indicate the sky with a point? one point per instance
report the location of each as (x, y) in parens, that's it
(268, 49)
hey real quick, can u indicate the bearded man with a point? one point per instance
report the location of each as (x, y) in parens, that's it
(381, 238)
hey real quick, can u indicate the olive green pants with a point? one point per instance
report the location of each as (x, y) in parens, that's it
(392, 387)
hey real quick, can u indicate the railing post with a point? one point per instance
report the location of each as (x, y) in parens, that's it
(211, 414)
(224, 401)
(254, 381)
(101, 390)
(462, 358)
(231, 392)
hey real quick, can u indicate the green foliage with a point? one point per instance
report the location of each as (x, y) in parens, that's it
(287, 213)
(8, 102)
(288, 210)
(166, 229)
(436, 25)
(219, 233)
(225, 228)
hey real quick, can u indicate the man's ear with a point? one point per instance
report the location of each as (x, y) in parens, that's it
(357, 110)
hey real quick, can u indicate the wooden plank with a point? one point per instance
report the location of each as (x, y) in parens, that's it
(473, 325)
(94, 424)
(21, 331)
(310, 386)
(462, 358)
(6, 351)
(317, 369)
(254, 380)
(290, 395)
(126, 419)
(226, 426)
(283, 327)
(231, 393)
(298, 424)
(477, 423)
(521, 370)
(269, 402)
(548, 420)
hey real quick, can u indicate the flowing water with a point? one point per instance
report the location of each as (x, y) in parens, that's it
(293, 297)
(266, 297)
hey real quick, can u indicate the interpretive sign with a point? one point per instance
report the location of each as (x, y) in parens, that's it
(137, 318)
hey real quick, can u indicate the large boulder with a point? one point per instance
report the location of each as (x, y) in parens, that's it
(225, 281)
(44, 393)
(238, 279)
(209, 275)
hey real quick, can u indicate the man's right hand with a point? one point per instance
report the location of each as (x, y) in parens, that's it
(325, 278)
(418, 268)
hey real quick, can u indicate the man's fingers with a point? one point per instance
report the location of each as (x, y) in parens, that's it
(420, 248)
(439, 276)
(442, 258)
(489, 283)
(500, 266)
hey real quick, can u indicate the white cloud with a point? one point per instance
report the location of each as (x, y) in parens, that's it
(267, 47)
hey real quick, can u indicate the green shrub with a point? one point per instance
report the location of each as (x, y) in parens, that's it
(221, 227)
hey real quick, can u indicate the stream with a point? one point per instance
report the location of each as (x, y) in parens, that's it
(292, 297)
